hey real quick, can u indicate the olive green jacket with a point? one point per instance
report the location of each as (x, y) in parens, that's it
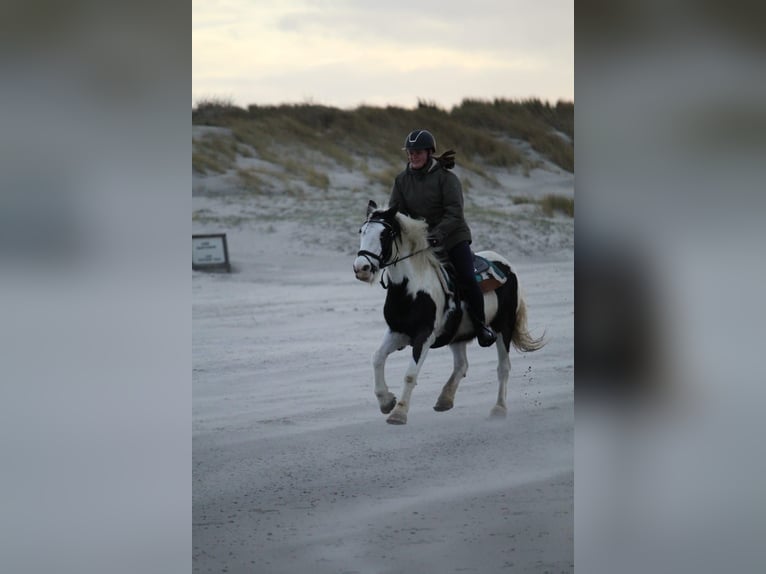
(434, 194)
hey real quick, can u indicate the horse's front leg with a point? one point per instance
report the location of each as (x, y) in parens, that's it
(420, 347)
(391, 342)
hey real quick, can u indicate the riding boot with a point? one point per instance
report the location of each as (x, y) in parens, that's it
(484, 335)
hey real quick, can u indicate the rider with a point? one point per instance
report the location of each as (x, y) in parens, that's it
(426, 190)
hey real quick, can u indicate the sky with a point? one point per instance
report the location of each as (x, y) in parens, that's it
(346, 53)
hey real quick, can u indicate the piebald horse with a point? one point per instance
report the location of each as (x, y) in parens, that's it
(422, 311)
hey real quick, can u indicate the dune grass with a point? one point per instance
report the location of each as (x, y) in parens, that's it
(213, 153)
(308, 138)
(548, 206)
(553, 203)
(480, 131)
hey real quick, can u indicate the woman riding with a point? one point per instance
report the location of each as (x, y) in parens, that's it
(427, 190)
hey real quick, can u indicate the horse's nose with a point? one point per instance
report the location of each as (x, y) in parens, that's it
(363, 267)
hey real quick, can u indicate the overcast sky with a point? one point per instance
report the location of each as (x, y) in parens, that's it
(345, 53)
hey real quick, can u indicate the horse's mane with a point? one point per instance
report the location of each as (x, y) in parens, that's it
(413, 230)
(414, 234)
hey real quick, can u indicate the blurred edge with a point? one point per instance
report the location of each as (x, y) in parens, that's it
(669, 269)
(95, 174)
(94, 229)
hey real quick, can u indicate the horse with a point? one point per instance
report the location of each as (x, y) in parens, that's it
(423, 310)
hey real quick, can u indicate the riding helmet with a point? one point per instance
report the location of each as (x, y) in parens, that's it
(420, 139)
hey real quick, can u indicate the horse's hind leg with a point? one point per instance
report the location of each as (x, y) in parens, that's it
(391, 342)
(503, 372)
(446, 399)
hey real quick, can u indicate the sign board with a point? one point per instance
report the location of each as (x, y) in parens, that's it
(210, 252)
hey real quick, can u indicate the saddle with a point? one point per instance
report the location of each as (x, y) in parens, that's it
(487, 274)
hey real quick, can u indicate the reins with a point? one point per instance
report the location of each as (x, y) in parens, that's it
(398, 259)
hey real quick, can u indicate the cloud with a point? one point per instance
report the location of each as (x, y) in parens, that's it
(484, 47)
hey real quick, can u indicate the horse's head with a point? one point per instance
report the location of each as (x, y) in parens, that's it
(376, 241)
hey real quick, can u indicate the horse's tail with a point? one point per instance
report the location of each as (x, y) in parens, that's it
(521, 339)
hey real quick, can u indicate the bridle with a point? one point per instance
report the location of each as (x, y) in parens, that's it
(381, 264)
(381, 259)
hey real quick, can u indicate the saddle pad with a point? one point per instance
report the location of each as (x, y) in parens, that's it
(488, 276)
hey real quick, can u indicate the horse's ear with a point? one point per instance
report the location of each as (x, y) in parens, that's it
(391, 212)
(371, 206)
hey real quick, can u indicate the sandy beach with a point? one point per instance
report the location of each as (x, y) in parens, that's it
(295, 469)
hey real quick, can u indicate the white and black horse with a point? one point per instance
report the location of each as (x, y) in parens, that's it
(422, 311)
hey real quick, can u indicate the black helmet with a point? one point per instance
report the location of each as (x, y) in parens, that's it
(420, 139)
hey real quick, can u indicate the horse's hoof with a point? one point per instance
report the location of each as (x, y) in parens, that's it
(389, 406)
(443, 405)
(498, 412)
(397, 418)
